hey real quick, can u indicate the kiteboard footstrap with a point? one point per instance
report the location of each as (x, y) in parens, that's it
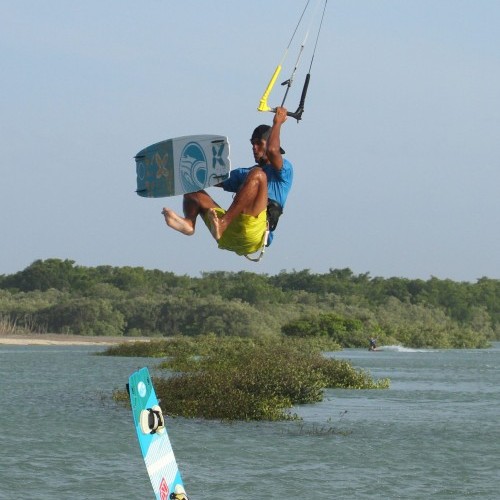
(152, 420)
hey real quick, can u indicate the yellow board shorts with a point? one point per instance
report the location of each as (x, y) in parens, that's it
(245, 234)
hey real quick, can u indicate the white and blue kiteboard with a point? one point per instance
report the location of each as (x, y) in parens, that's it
(153, 438)
(182, 165)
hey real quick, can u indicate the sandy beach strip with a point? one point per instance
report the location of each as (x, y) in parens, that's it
(52, 339)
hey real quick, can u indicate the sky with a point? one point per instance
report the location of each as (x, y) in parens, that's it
(396, 159)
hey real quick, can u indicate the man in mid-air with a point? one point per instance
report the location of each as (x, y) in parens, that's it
(261, 193)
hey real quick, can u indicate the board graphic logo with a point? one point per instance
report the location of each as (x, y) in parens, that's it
(161, 163)
(193, 168)
(141, 389)
(218, 164)
(141, 171)
(164, 491)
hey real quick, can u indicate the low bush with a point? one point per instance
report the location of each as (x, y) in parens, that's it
(232, 378)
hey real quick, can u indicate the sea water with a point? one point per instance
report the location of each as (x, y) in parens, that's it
(434, 434)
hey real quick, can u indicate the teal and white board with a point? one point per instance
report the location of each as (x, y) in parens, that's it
(182, 165)
(153, 438)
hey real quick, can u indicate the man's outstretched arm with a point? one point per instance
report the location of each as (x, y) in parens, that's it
(273, 147)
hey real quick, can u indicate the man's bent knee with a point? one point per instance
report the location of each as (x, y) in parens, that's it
(257, 176)
(257, 173)
(196, 196)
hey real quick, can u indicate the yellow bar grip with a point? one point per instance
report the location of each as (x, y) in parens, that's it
(263, 106)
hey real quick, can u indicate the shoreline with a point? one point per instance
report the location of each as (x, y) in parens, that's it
(69, 340)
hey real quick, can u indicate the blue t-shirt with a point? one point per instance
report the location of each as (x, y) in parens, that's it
(279, 182)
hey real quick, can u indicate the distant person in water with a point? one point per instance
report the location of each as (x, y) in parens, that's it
(373, 344)
(261, 193)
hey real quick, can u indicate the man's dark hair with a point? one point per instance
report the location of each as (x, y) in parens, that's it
(261, 133)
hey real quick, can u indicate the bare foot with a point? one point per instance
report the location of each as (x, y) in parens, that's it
(217, 226)
(181, 224)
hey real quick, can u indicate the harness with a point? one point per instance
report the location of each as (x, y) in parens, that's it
(274, 211)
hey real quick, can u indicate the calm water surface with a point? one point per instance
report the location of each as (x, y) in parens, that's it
(434, 434)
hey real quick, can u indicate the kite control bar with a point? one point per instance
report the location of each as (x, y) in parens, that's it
(297, 114)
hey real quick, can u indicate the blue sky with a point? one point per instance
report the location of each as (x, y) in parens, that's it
(397, 158)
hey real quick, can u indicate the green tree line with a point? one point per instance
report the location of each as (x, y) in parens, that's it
(58, 296)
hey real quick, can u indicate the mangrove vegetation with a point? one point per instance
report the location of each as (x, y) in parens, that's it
(58, 296)
(235, 378)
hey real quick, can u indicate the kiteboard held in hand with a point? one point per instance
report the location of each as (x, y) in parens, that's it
(182, 165)
(153, 438)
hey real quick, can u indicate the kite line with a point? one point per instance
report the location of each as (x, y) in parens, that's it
(297, 114)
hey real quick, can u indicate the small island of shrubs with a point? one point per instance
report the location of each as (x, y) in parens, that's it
(232, 378)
